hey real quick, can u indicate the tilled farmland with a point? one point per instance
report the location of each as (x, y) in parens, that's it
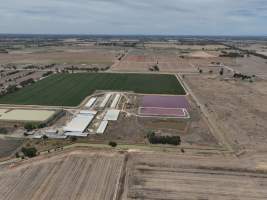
(76, 175)
(175, 177)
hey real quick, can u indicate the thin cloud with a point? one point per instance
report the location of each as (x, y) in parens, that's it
(194, 17)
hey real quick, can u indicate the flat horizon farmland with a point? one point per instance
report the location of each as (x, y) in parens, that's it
(71, 89)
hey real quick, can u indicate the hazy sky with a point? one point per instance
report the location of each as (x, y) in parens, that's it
(175, 17)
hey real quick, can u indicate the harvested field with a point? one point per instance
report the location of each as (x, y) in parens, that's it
(165, 45)
(163, 176)
(201, 54)
(238, 107)
(91, 56)
(75, 175)
(8, 146)
(71, 89)
(142, 60)
(252, 66)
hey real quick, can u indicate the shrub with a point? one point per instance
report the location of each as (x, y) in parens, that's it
(3, 130)
(112, 144)
(29, 152)
(17, 154)
(73, 138)
(45, 137)
(30, 126)
(42, 125)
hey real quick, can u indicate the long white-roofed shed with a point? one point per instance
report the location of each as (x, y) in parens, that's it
(79, 123)
(115, 101)
(91, 102)
(102, 127)
(112, 115)
(105, 101)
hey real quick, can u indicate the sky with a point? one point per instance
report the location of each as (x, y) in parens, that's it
(144, 17)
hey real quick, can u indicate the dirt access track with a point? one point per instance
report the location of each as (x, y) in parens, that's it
(105, 174)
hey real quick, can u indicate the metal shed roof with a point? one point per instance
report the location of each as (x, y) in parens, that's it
(104, 102)
(112, 115)
(90, 102)
(102, 127)
(79, 123)
(77, 134)
(88, 112)
(115, 101)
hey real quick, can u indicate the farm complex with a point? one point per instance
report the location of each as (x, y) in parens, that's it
(132, 118)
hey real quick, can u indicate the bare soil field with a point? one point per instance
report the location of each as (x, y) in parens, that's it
(97, 174)
(252, 65)
(238, 107)
(184, 47)
(73, 175)
(173, 177)
(8, 147)
(205, 62)
(171, 60)
(201, 54)
(258, 47)
(142, 60)
(88, 56)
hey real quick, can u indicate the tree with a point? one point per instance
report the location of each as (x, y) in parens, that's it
(30, 126)
(112, 144)
(221, 71)
(45, 137)
(29, 151)
(17, 154)
(172, 140)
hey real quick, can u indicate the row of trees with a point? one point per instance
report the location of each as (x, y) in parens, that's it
(172, 140)
(32, 126)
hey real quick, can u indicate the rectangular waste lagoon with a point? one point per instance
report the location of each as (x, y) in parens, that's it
(27, 115)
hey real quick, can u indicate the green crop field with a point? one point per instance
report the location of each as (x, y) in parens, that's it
(71, 89)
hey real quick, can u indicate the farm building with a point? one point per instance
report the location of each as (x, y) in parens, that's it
(79, 123)
(91, 102)
(76, 134)
(115, 101)
(112, 115)
(102, 127)
(105, 101)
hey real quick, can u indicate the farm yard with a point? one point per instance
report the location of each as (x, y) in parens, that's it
(71, 89)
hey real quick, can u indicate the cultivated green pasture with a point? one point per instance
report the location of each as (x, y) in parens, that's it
(71, 89)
